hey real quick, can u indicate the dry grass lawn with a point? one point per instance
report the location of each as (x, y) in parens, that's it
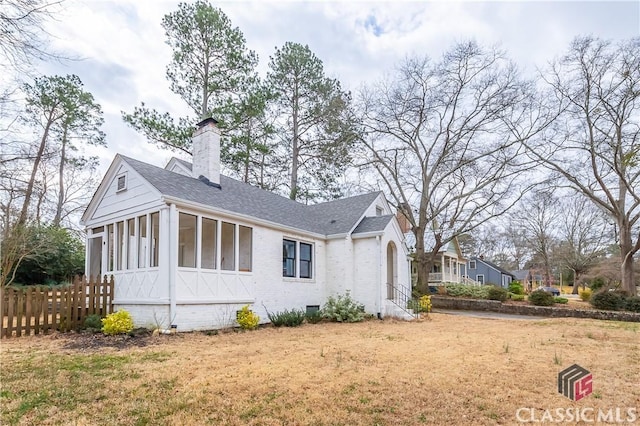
(447, 370)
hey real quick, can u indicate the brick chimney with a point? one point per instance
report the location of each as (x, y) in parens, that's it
(405, 225)
(206, 151)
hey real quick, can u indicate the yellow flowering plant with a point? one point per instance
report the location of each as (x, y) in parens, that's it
(119, 322)
(425, 303)
(247, 320)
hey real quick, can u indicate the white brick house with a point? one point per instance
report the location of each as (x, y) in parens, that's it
(188, 246)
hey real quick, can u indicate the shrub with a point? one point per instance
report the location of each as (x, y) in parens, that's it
(596, 284)
(292, 318)
(541, 298)
(424, 304)
(421, 304)
(608, 301)
(93, 322)
(247, 319)
(119, 322)
(462, 290)
(343, 309)
(585, 294)
(561, 300)
(517, 297)
(497, 293)
(313, 317)
(516, 288)
(633, 304)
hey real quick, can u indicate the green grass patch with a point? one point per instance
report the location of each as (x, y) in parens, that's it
(33, 386)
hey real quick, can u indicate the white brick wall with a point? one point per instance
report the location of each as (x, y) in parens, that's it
(212, 297)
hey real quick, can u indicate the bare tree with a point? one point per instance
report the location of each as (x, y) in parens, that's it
(436, 135)
(22, 31)
(595, 144)
(583, 236)
(537, 218)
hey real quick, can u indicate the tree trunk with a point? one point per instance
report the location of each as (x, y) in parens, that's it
(626, 269)
(626, 254)
(63, 160)
(576, 287)
(424, 260)
(421, 261)
(295, 152)
(247, 155)
(36, 163)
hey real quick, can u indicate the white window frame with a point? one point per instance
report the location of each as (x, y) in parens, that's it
(480, 278)
(122, 176)
(473, 264)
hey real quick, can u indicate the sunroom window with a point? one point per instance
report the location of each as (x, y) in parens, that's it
(209, 242)
(187, 240)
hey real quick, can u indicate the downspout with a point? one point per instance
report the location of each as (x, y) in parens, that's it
(379, 277)
(173, 261)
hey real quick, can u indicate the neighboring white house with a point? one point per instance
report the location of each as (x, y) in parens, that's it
(449, 265)
(188, 246)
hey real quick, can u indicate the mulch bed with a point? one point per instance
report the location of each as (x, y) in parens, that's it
(88, 341)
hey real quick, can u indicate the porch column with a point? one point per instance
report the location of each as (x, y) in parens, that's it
(442, 278)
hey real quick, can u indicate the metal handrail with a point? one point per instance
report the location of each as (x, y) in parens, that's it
(403, 299)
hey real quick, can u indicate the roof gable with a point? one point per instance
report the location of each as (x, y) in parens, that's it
(493, 266)
(429, 241)
(179, 166)
(107, 189)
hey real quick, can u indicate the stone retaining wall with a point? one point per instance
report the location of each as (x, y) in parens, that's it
(457, 303)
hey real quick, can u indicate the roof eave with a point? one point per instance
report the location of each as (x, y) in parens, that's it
(336, 236)
(367, 234)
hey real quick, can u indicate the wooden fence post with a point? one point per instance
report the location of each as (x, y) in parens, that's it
(54, 310)
(19, 312)
(92, 295)
(27, 311)
(45, 310)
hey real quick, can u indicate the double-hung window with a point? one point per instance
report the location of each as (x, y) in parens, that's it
(288, 258)
(305, 260)
(297, 259)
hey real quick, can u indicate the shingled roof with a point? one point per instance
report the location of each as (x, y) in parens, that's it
(373, 224)
(493, 265)
(329, 218)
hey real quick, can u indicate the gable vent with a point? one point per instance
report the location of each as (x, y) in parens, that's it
(122, 183)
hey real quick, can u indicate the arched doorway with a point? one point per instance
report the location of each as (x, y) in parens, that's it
(392, 269)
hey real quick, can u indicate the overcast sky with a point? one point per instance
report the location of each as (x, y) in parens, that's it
(123, 52)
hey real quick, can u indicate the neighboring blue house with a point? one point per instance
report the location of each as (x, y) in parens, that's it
(486, 272)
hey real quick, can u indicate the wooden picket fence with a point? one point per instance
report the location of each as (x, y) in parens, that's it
(34, 310)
